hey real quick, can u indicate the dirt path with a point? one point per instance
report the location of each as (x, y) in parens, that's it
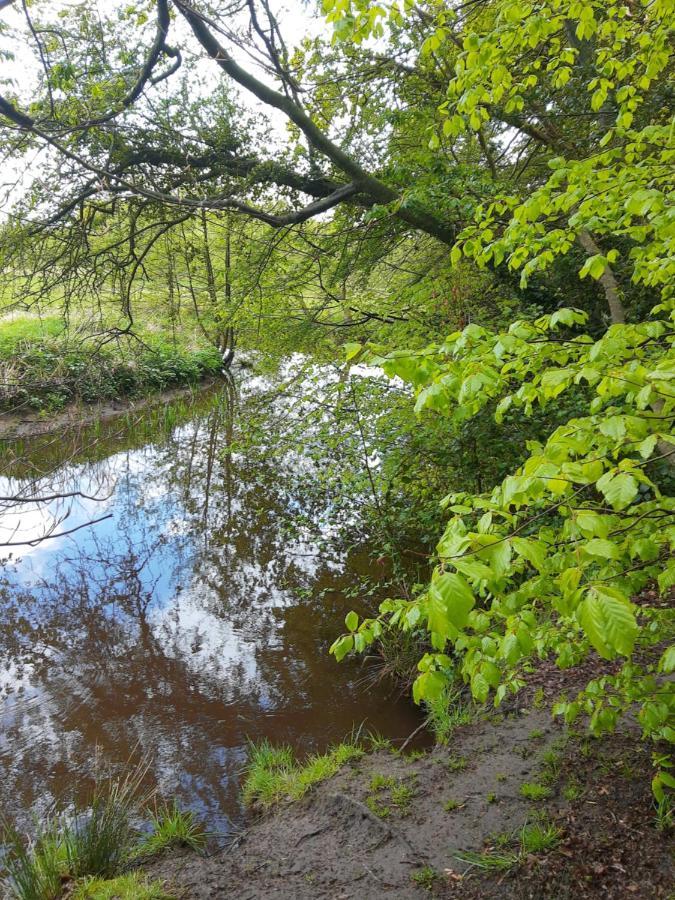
(391, 826)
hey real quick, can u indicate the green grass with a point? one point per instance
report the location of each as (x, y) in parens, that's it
(426, 877)
(34, 870)
(534, 791)
(132, 886)
(535, 734)
(538, 836)
(572, 791)
(457, 763)
(447, 713)
(451, 805)
(172, 827)
(489, 860)
(273, 774)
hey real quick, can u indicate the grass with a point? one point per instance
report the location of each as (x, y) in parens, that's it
(273, 774)
(457, 763)
(572, 791)
(536, 836)
(132, 886)
(534, 791)
(426, 877)
(451, 805)
(43, 366)
(535, 734)
(447, 713)
(90, 848)
(172, 827)
(399, 795)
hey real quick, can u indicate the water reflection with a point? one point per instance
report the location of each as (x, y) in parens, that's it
(197, 614)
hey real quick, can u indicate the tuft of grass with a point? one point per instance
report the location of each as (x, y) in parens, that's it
(665, 813)
(451, 805)
(572, 791)
(34, 870)
(401, 797)
(538, 836)
(489, 860)
(273, 774)
(535, 734)
(378, 742)
(551, 762)
(457, 763)
(491, 798)
(132, 886)
(534, 791)
(426, 877)
(448, 712)
(172, 827)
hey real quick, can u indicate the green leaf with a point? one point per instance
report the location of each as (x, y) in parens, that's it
(342, 646)
(429, 686)
(451, 600)
(603, 548)
(619, 490)
(351, 621)
(608, 621)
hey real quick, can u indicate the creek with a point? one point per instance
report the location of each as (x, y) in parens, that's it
(186, 608)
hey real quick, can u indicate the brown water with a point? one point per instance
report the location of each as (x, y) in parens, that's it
(195, 616)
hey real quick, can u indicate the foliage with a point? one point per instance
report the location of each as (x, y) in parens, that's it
(172, 827)
(272, 773)
(133, 886)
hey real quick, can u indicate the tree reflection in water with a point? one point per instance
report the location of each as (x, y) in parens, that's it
(185, 623)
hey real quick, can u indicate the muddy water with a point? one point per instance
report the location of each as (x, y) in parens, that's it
(191, 613)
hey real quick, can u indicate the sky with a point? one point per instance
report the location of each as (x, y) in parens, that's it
(298, 20)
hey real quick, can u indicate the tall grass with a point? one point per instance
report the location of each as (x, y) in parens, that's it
(93, 843)
(273, 774)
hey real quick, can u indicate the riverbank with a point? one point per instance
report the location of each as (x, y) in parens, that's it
(30, 423)
(511, 808)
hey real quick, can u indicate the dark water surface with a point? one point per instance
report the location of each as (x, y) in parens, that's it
(196, 616)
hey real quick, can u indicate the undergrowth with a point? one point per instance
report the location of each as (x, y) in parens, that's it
(273, 774)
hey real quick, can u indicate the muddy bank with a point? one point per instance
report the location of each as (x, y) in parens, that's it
(32, 423)
(449, 824)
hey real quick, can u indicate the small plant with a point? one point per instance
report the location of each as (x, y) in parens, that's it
(665, 813)
(550, 766)
(572, 791)
(172, 827)
(126, 887)
(412, 755)
(457, 763)
(536, 734)
(448, 712)
(378, 742)
(34, 871)
(272, 773)
(491, 798)
(534, 791)
(379, 809)
(425, 877)
(537, 836)
(489, 860)
(380, 782)
(501, 777)
(402, 797)
(452, 805)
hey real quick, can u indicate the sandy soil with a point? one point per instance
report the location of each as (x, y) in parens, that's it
(346, 840)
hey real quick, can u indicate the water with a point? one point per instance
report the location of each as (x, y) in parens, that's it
(193, 616)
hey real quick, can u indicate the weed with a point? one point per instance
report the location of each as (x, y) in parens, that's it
(572, 791)
(272, 773)
(489, 860)
(551, 766)
(452, 805)
(379, 809)
(501, 777)
(538, 699)
(378, 742)
(126, 887)
(535, 734)
(401, 797)
(457, 763)
(665, 813)
(533, 791)
(448, 712)
(34, 871)
(537, 836)
(380, 782)
(491, 798)
(425, 877)
(412, 755)
(172, 827)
